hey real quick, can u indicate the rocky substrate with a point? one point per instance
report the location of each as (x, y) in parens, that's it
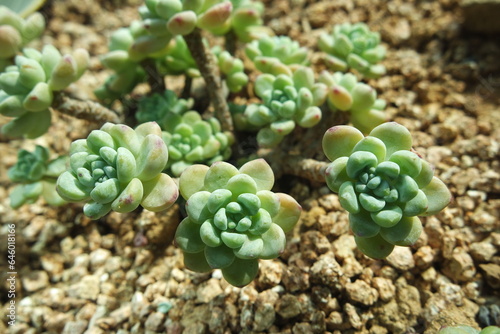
(123, 275)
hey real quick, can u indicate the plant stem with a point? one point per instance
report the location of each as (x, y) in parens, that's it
(230, 42)
(88, 110)
(186, 90)
(283, 163)
(206, 64)
(155, 80)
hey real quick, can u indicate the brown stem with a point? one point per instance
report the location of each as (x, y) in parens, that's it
(186, 90)
(155, 80)
(284, 163)
(87, 110)
(206, 64)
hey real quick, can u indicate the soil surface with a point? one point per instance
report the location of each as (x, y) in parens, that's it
(122, 274)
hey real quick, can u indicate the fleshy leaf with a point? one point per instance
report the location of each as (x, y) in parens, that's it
(241, 272)
(340, 140)
(375, 247)
(438, 196)
(404, 233)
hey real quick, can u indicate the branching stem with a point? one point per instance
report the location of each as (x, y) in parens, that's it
(87, 110)
(206, 64)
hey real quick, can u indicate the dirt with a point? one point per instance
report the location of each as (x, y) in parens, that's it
(121, 274)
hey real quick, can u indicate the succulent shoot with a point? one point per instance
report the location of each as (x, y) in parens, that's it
(276, 55)
(37, 176)
(156, 107)
(178, 60)
(345, 93)
(246, 20)
(15, 32)
(383, 185)
(181, 17)
(287, 101)
(26, 88)
(128, 72)
(233, 219)
(190, 140)
(353, 46)
(119, 168)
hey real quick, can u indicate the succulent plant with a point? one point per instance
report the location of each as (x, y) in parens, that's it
(178, 60)
(128, 72)
(190, 139)
(181, 17)
(277, 54)
(246, 20)
(26, 88)
(345, 93)
(287, 101)
(15, 32)
(353, 46)
(119, 168)
(233, 219)
(463, 329)
(383, 185)
(156, 107)
(36, 175)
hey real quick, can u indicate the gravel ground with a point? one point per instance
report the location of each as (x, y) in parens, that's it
(122, 275)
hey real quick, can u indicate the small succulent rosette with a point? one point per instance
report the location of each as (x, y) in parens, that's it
(345, 93)
(287, 101)
(118, 168)
(181, 17)
(37, 176)
(383, 185)
(232, 70)
(156, 107)
(27, 88)
(15, 32)
(191, 139)
(277, 54)
(353, 46)
(233, 219)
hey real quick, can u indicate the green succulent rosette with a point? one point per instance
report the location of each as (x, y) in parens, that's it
(383, 185)
(15, 32)
(156, 107)
(233, 219)
(345, 93)
(353, 46)
(36, 175)
(118, 168)
(190, 140)
(27, 88)
(277, 54)
(287, 101)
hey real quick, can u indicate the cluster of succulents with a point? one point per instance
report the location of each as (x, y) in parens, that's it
(191, 139)
(287, 101)
(119, 168)
(463, 329)
(16, 32)
(27, 88)
(36, 176)
(175, 17)
(233, 219)
(353, 46)
(383, 185)
(156, 107)
(345, 93)
(232, 70)
(277, 54)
